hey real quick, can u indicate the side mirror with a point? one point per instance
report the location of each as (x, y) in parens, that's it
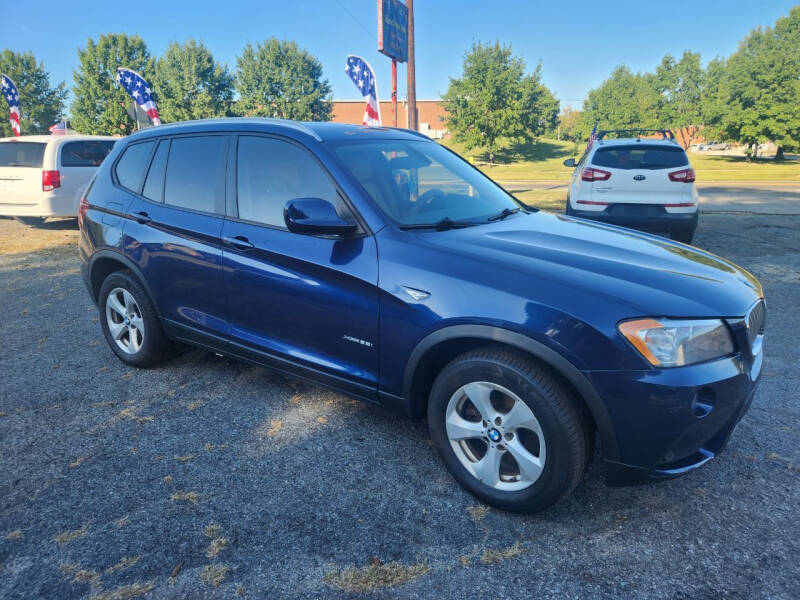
(570, 162)
(315, 216)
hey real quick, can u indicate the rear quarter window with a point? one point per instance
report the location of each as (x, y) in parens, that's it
(195, 176)
(131, 165)
(89, 153)
(640, 157)
(22, 154)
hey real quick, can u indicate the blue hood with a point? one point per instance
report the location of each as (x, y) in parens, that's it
(648, 274)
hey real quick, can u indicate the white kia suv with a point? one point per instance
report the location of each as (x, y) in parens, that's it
(44, 175)
(640, 182)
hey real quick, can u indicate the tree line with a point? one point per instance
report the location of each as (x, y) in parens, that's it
(272, 79)
(749, 97)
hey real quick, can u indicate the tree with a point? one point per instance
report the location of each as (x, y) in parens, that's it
(569, 122)
(712, 104)
(189, 84)
(279, 79)
(100, 104)
(40, 104)
(759, 93)
(625, 100)
(680, 86)
(495, 99)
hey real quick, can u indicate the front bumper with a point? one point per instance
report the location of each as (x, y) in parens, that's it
(647, 217)
(671, 421)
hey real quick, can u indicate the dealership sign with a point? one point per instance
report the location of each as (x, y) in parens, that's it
(393, 29)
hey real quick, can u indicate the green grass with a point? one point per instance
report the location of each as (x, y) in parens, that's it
(543, 160)
(552, 200)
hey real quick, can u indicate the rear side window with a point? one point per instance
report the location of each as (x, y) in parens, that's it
(85, 154)
(22, 154)
(130, 168)
(196, 173)
(640, 156)
(154, 184)
(271, 172)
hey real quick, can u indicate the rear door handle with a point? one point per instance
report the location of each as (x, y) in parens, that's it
(140, 217)
(239, 241)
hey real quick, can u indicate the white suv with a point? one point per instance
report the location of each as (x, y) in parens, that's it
(44, 175)
(644, 183)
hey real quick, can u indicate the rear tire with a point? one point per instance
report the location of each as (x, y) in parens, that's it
(682, 235)
(494, 406)
(130, 323)
(30, 221)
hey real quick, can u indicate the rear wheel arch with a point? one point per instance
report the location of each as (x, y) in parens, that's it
(437, 349)
(106, 262)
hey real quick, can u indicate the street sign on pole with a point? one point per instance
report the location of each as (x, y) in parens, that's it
(393, 40)
(393, 29)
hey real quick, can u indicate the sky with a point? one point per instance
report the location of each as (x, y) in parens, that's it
(578, 43)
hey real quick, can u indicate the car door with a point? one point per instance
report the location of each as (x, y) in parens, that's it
(306, 303)
(173, 232)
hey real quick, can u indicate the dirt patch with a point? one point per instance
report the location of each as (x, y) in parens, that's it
(375, 576)
(16, 238)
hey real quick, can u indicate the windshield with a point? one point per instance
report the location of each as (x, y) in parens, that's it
(640, 156)
(422, 183)
(21, 154)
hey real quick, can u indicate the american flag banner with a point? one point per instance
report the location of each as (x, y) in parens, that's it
(592, 136)
(140, 91)
(12, 97)
(59, 128)
(363, 76)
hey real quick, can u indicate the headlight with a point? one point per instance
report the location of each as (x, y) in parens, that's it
(674, 343)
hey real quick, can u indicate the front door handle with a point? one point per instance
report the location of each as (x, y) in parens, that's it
(141, 217)
(239, 241)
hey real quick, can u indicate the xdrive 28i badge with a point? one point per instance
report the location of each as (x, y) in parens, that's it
(638, 177)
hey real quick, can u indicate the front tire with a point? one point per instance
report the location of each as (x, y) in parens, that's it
(508, 430)
(130, 323)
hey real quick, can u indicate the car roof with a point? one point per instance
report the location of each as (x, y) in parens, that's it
(319, 131)
(57, 138)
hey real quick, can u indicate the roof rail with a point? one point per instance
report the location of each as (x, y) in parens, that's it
(297, 126)
(409, 131)
(666, 134)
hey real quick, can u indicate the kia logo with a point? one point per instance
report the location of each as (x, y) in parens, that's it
(638, 177)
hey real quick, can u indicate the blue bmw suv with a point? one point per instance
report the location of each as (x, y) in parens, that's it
(381, 264)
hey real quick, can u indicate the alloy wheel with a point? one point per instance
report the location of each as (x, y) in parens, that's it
(495, 436)
(124, 319)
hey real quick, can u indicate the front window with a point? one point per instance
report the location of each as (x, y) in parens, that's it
(422, 183)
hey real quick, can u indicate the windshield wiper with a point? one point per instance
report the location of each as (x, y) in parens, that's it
(506, 212)
(442, 225)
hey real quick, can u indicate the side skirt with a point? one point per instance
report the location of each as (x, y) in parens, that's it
(236, 351)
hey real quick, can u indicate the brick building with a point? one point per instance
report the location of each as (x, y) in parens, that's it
(431, 114)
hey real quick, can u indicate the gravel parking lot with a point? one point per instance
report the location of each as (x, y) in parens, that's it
(206, 478)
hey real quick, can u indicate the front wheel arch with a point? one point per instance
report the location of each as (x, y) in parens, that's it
(441, 346)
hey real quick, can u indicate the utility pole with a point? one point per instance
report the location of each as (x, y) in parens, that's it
(412, 80)
(394, 92)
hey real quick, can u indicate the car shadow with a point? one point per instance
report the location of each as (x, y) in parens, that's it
(57, 224)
